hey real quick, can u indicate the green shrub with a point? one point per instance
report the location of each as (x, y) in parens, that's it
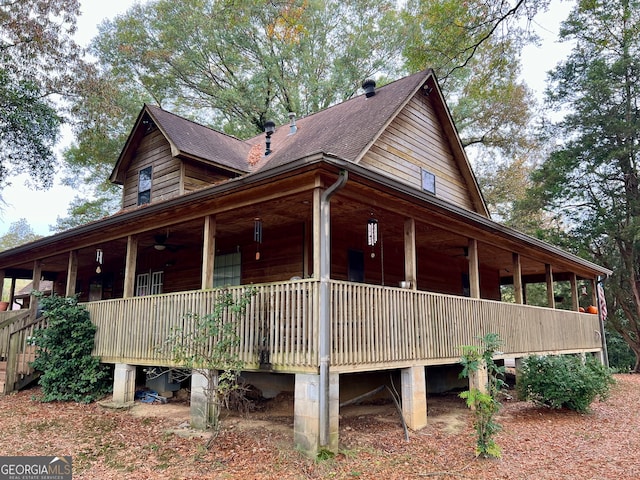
(563, 381)
(63, 353)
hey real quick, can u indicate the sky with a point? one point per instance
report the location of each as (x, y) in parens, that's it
(41, 208)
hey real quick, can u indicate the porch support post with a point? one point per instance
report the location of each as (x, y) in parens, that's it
(203, 411)
(480, 378)
(410, 262)
(72, 274)
(124, 383)
(37, 273)
(208, 251)
(2, 285)
(519, 364)
(130, 266)
(316, 235)
(594, 292)
(573, 281)
(548, 270)
(517, 279)
(474, 269)
(414, 397)
(306, 425)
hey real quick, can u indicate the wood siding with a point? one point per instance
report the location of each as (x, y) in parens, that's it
(154, 150)
(372, 327)
(200, 175)
(415, 140)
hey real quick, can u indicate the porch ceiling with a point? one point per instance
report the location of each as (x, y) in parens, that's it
(285, 204)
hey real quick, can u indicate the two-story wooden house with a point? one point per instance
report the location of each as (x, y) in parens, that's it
(362, 229)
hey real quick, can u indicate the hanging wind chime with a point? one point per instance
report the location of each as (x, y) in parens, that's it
(372, 234)
(257, 235)
(99, 254)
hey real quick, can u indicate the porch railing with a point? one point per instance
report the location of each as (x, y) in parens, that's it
(372, 327)
(16, 350)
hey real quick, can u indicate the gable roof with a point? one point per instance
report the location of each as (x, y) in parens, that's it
(348, 129)
(187, 139)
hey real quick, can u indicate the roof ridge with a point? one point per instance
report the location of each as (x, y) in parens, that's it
(424, 73)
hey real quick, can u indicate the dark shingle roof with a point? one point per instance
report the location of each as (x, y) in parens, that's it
(346, 129)
(195, 140)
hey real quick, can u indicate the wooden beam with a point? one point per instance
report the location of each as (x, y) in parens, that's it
(594, 292)
(548, 273)
(410, 255)
(35, 285)
(130, 266)
(72, 274)
(474, 269)
(208, 251)
(573, 281)
(316, 233)
(517, 279)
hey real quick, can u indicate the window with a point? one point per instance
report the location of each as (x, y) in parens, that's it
(226, 270)
(428, 182)
(149, 283)
(144, 185)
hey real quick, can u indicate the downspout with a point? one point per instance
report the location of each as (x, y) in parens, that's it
(324, 347)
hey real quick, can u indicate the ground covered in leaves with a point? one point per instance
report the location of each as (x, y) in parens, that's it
(152, 441)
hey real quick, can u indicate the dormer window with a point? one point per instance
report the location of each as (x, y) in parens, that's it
(144, 185)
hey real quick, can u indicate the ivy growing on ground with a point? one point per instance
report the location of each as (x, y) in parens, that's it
(564, 381)
(485, 404)
(63, 353)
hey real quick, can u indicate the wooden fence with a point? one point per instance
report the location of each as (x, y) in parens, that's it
(372, 327)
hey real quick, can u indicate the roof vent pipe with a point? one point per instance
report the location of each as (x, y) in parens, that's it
(369, 87)
(292, 120)
(269, 129)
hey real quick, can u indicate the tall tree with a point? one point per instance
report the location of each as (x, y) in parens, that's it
(37, 57)
(590, 183)
(19, 233)
(233, 64)
(474, 49)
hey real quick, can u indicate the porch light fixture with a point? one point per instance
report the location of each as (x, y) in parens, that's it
(583, 291)
(269, 129)
(257, 235)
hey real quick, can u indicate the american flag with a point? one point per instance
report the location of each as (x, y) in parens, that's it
(602, 302)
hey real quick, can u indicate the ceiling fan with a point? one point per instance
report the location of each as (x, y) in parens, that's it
(160, 243)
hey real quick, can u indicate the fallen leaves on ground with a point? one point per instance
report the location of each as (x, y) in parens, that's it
(537, 443)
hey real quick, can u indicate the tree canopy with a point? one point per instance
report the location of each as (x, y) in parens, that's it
(19, 232)
(37, 58)
(233, 64)
(590, 182)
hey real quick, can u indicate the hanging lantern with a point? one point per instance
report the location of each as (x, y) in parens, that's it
(372, 232)
(257, 235)
(583, 291)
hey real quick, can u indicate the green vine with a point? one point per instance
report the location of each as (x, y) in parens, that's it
(484, 402)
(208, 345)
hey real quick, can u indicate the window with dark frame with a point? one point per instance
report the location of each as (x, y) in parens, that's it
(144, 185)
